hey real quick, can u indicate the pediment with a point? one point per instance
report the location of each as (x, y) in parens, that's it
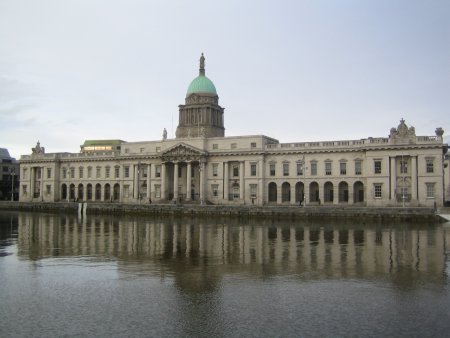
(183, 152)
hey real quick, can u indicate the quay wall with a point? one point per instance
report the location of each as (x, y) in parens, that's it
(271, 212)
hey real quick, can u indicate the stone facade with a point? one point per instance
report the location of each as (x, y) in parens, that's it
(201, 165)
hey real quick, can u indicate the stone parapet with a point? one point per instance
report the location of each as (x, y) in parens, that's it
(275, 212)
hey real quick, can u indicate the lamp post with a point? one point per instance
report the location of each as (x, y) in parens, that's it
(13, 173)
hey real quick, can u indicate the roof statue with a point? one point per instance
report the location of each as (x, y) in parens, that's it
(38, 149)
(402, 133)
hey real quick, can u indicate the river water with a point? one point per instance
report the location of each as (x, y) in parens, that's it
(61, 275)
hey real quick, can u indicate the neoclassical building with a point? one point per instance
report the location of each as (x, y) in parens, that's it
(202, 165)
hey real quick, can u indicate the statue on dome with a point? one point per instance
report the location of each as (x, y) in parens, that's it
(202, 65)
(202, 62)
(164, 134)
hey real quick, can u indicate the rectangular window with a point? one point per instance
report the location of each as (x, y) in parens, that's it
(157, 171)
(403, 166)
(430, 165)
(299, 168)
(313, 168)
(117, 172)
(126, 191)
(38, 173)
(126, 171)
(72, 172)
(327, 168)
(180, 172)
(403, 196)
(377, 166)
(64, 173)
(253, 188)
(253, 169)
(141, 150)
(80, 172)
(49, 172)
(98, 172)
(107, 172)
(233, 145)
(158, 149)
(215, 190)
(89, 172)
(430, 190)
(215, 168)
(48, 189)
(24, 190)
(272, 169)
(253, 145)
(157, 191)
(343, 168)
(25, 173)
(377, 190)
(358, 167)
(215, 146)
(235, 170)
(144, 171)
(285, 169)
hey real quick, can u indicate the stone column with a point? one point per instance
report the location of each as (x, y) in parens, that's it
(42, 184)
(32, 183)
(175, 181)
(393, 179)
(202, 181)
(293, 194)
(306, 193)
(149, 175)
(414, 178)
(351, 196)
(163, 181)
(322, 195)
(85, 190)
(225, 181)
(241, 181)
(189, 181)
(135, 182)
(261, 198)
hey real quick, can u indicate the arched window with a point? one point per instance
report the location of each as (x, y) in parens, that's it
(314, 192)
(272, 192)
(328, 192)
(299, 192)
(107, 192)
(358, 192)
(285, 192)
(343, 192)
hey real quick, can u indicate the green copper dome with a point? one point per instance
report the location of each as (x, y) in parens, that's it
(201, 84)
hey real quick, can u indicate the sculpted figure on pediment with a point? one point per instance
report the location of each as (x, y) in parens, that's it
(181, 153)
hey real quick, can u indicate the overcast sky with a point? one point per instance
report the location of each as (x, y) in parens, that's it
(293, 70)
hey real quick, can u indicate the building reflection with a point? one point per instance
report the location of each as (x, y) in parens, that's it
(184, 248)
